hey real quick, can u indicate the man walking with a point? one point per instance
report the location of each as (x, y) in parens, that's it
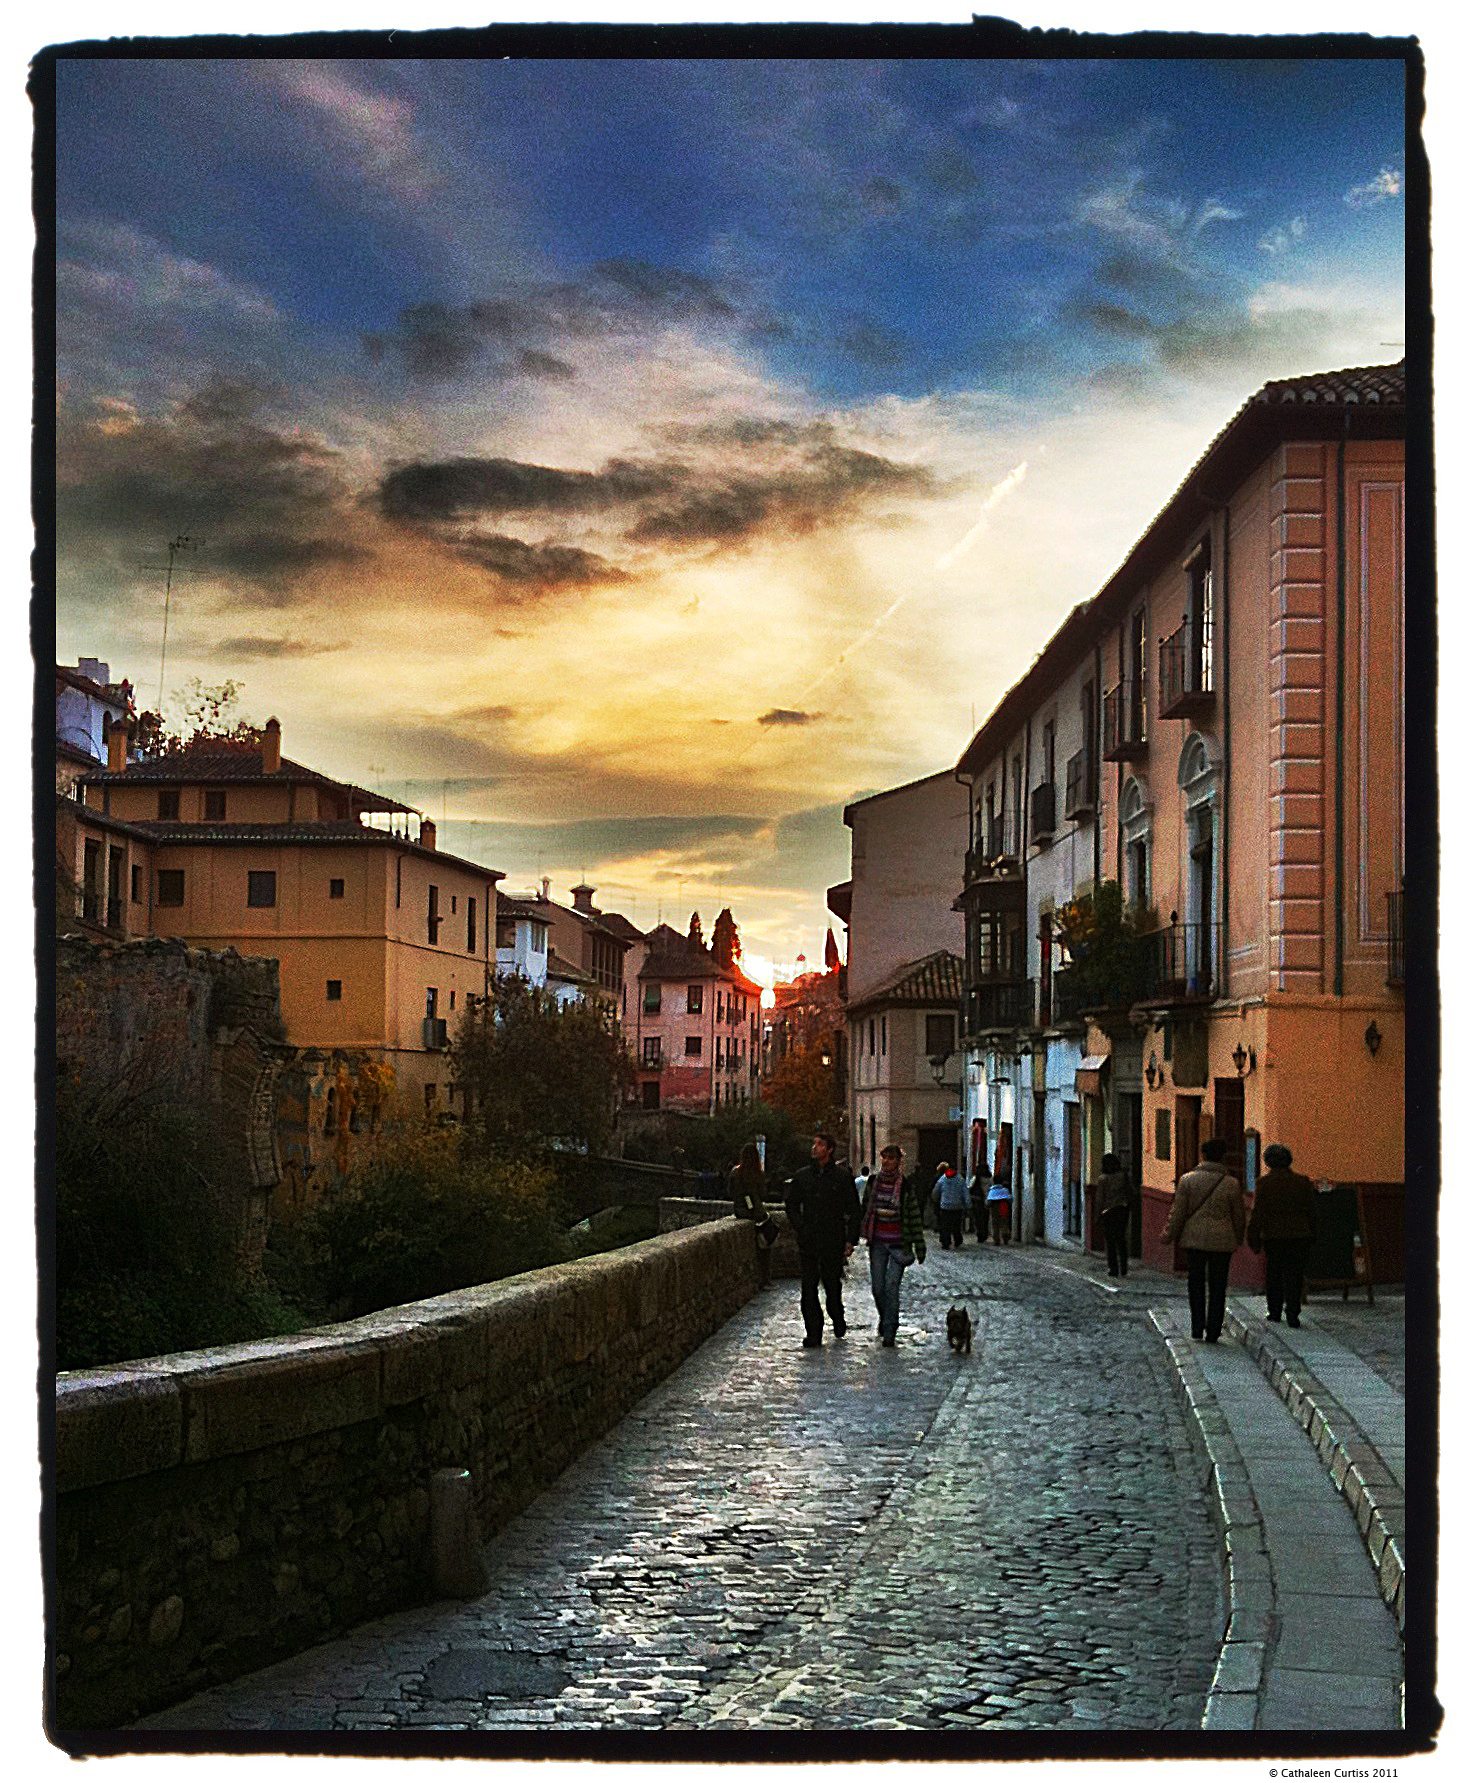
(1208, 1214)
(1284, 1221)
(824, 1213)
(950, 1197)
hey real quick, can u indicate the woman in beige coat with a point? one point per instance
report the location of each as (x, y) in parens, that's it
(1208, 1219)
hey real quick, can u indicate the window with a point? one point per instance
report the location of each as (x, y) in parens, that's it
(871, 1037)
(171, 887)
(650, 999)
(432, 1003)
(1137, 674)
(335, 990)
(261, 890)
(1049, 746)
(693, 999)
(432, 915)
(335, 888)
(939, 1035)
(471, 925)
(135, 884)
(1135, 816)
(650, 1050)
(883, 1036)
(169, 807)
(693, 1046)
(1201, 622)
(214, 806)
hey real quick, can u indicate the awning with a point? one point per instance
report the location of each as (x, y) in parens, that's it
(1089, 1073)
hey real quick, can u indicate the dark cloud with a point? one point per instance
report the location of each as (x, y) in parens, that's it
(538, 569)
(266, 502)
(253, 649)
(459, 487)
(666, 291)
(794, 477)
(784, 715)
(533, 364)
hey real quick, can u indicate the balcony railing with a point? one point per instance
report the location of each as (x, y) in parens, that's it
(1007, 1004)
(1123, 725)
(1395, 936)
(1185, 673)
(1080, 787)
(1042, 812)
(1182, 962)
(990, 863)
(652, 1060)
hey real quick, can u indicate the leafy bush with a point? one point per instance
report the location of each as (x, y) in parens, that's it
(147, 1255)
(419, 1214)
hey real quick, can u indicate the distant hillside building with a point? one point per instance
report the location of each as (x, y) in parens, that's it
(695, 1031)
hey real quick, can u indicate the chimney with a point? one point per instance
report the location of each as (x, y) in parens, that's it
(94, 669)
(547, 883)
(271, 748)
(117, 735)
(584, 899)
(427, 833)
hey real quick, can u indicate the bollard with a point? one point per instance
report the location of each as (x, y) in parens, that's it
(456, 1565)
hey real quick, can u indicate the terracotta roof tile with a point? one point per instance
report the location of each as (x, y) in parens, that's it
(937, 978)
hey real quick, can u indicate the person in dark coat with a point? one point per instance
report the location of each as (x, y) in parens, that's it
(1284, 1220)
(824, 1212)
(1113, 1208)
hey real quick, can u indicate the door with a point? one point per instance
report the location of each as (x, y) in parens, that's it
(1229, 1118)
(1073, 1194)
(1038, 1172)
(1185, 1147)
(1127, 1130)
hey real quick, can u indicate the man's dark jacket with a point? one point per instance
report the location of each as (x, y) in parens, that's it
(1285, 1209)
(823, 1207)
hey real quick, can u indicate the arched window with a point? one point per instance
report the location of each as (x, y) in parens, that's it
(1135, 816)
(1203, 944)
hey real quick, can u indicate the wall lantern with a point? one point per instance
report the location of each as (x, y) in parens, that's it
(938, 1064)
(1372, 1039)
(1152, 1074)
(1244, 1062)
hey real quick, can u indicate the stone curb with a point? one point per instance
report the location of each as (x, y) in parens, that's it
(1249, 1588)
(1356, 1468)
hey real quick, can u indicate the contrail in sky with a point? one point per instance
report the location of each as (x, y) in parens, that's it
(970, 538)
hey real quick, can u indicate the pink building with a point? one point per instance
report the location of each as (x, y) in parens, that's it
(695, 1032)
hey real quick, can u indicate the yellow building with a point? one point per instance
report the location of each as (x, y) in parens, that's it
(381, 938)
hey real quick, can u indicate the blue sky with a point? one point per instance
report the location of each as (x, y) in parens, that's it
(597, 452)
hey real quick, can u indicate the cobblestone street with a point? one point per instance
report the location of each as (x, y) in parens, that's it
(850, 1538)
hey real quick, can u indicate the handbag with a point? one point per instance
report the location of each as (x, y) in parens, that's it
(767, 1233)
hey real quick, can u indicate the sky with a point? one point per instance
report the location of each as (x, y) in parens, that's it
(630, 463)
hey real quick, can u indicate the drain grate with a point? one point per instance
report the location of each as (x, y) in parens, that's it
(471, 1672)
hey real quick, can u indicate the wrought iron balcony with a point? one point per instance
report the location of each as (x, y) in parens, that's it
(1042, 812)
(1002, 1005)
(1395, 936)
(987, 865)
(1182, 963)
(1123, 724)
(1080, 788)
(1185, 672)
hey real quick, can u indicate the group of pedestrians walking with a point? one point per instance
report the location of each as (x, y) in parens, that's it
(831, 1212)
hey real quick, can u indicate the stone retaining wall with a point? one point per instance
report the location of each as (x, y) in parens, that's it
(225, 1508)
(678, 1213)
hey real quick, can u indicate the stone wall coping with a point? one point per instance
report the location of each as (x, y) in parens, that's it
(142, 1417)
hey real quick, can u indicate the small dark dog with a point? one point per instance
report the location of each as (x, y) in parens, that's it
(960, 1330)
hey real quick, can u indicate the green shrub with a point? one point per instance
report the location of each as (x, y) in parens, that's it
(420, 1215)
(147, 1252)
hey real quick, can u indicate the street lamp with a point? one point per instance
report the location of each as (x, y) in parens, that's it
(938, 1064)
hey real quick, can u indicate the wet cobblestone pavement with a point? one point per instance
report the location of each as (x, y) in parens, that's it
(848, 1538)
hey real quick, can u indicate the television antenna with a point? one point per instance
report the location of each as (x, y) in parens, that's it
(182, 543)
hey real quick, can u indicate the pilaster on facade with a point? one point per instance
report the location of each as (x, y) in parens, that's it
(1299, 667)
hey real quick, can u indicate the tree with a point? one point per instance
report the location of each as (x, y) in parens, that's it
(1108, 966)
(209, 716)
(805, 1084)
(539, 1078)
(727, 946)
(694, 928)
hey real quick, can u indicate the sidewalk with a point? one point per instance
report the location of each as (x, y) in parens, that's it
(1315, 1589)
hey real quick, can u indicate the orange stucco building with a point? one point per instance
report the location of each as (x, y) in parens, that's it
(381, 938)
(1234, 700)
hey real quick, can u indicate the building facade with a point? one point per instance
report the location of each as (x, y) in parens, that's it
(695, 1036)
(1217, 738)
(905, 1066)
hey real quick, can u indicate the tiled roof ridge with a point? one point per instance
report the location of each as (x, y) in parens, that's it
(934, 977)
(1350, 384)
